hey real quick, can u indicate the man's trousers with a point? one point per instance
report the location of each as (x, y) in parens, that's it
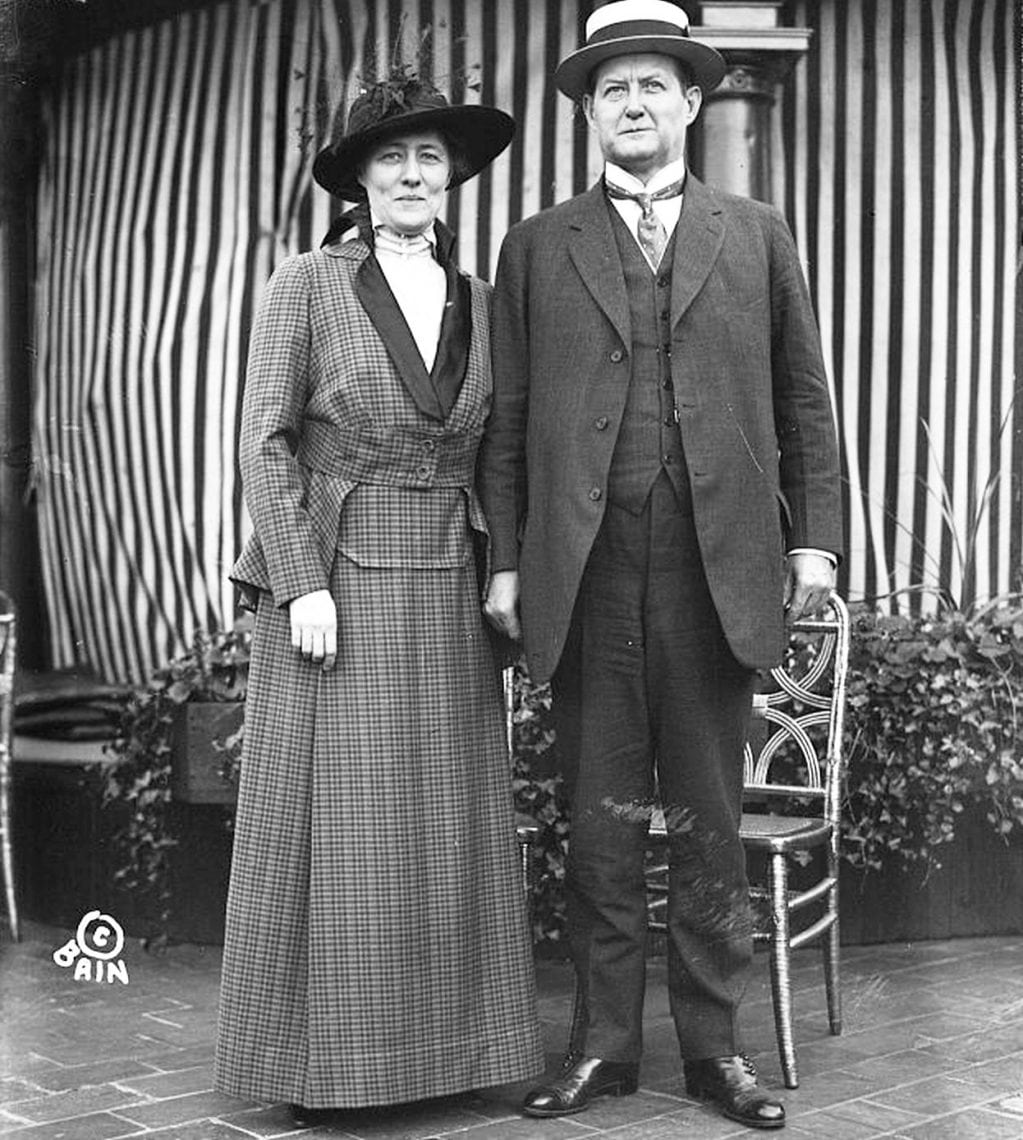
(650, 704)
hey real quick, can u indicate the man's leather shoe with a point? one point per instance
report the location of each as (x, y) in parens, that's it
(731, 1083)
(579, 1083)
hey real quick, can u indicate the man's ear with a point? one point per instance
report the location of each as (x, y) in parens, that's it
(587, 106)
(694, 101)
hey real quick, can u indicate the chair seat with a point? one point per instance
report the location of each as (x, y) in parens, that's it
(764, 832)
(526, 830)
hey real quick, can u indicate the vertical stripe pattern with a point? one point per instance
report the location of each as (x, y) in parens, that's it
(902, 189)
(176, 175)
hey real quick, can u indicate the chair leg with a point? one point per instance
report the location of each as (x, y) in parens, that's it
(526, 867)
(830, 947)
(781, 982)
(527, 870)
(7, 851)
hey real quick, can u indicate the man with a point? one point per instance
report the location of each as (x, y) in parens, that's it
(660, 475)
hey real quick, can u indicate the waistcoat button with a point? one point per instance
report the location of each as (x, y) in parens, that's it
(595, 493)
(616, 356)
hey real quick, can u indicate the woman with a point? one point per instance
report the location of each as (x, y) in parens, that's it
(377, 949)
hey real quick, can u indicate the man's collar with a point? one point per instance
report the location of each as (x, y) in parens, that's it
(673, 172)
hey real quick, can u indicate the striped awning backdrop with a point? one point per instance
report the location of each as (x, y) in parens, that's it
(176, 174)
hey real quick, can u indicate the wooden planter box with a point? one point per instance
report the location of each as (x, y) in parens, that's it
(201, 732)
(978, 890)
(66, 853)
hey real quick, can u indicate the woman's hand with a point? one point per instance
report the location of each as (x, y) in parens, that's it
(502, 604)
(314, 627)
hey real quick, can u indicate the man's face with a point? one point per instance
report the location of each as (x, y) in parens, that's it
(640, 111)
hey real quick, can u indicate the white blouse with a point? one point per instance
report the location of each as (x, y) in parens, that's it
(418, 283)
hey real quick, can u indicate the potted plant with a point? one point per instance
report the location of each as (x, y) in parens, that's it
(179, 740)
(934, 747)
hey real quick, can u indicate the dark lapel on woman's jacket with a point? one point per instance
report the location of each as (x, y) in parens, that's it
(435, 392)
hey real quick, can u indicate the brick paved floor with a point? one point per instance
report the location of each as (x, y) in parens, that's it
(932, 1050)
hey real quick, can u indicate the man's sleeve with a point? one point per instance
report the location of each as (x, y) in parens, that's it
(502, 467)
(804, 421)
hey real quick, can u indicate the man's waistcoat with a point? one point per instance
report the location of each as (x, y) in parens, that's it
(649, 440)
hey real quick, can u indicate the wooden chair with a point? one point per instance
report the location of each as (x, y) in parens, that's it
(8, 646)
(792, 808)
(527, 831)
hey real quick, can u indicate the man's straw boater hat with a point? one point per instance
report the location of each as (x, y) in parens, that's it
(638, 27)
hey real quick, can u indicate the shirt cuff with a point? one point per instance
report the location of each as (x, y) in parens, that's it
(832, 558)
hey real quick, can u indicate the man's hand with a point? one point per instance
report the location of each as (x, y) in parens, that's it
(809, 580)
(502, 604)
(314, 627)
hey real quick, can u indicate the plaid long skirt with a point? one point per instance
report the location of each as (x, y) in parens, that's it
(377, 948)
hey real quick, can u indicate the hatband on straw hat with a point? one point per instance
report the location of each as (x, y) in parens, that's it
(638, 27)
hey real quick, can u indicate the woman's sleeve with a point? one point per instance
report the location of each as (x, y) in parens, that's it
(276, 392)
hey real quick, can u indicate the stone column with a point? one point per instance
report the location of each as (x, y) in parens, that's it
(734, 142)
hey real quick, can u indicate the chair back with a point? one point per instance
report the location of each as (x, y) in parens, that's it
(802, 701)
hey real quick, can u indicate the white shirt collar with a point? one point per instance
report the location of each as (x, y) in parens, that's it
(673, 172)
(429, 233)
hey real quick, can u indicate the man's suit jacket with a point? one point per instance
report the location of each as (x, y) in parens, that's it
(752, 397)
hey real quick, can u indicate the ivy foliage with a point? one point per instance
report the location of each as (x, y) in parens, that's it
(539, 796)
(934, 728)
(139, 775)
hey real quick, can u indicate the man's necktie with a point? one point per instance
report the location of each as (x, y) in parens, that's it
(650, 231)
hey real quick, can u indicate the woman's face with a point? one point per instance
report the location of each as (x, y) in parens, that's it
(406, 178)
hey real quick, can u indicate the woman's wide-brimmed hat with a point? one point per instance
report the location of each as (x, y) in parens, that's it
(401, 104)
(638, 27)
